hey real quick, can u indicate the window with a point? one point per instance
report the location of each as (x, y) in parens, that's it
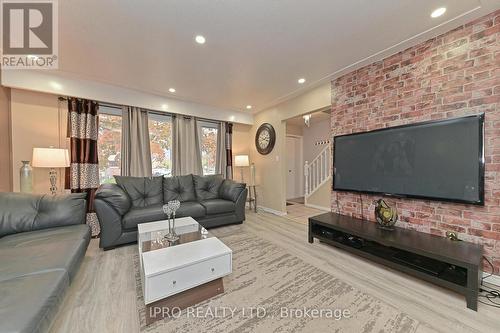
(208, 141)
(160, 137)
(109, 143)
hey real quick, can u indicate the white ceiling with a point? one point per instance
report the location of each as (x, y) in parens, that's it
(255, 50)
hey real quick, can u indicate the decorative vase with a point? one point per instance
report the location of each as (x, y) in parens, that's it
(385, 215)
(26, 177)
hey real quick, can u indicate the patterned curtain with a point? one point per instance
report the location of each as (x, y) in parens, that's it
(229, 150)
(84, 170)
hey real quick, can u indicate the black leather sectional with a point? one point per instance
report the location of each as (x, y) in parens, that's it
(211, 200)
(43, 240)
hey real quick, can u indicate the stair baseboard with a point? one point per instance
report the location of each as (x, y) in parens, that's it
(326, 209)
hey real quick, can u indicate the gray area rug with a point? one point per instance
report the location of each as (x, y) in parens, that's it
(273, 291)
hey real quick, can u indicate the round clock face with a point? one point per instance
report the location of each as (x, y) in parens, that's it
(265, 139)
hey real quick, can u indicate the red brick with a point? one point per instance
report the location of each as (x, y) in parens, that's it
(484, 33)
(484, 233)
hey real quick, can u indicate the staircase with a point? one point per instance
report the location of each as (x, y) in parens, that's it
(318, 175)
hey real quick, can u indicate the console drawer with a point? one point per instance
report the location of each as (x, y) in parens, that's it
(168, 283)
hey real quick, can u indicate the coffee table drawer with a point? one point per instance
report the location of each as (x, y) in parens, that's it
(175, 281)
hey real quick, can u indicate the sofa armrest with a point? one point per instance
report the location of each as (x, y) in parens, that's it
(111, 203)
(240, 204)
(231, 190)
(115, 197)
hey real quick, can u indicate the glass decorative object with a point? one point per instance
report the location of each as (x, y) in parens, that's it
(385, 215)
(174, 205)
(170, 236)
(252, 174)
(26, 177)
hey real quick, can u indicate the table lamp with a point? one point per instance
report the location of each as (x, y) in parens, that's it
(241, 161)
(51, 158)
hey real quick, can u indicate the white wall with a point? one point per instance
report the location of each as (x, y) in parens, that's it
(319, 131)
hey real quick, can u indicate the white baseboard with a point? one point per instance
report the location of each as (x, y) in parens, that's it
(326, 209)
(272, 211)
(494, 279)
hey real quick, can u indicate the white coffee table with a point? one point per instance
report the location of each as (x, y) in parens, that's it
(182, 273)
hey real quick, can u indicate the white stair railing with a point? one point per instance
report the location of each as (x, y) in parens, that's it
(319, 171)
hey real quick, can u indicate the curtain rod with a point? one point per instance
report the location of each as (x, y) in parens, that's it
(120, 107)
(106, 104)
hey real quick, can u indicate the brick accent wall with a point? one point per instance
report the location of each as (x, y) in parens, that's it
(452, 75)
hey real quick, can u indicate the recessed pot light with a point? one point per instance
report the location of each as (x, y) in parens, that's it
(172, 90)
(301, 80)
(164, 106)
(438, 12)
(249, 107)
(55, 85)
(200, 39)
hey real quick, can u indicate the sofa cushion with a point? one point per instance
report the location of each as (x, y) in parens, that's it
(178, 188)
(46, 236)
(207, 187)
(218, 206)
(143, 191)
(191, 208)
(142, 215)
(29, 303)
(20, 212)
(61, 255)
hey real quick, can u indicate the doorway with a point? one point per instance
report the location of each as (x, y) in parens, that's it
(295, 165)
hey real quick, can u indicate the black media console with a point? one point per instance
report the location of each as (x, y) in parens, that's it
(451, 264)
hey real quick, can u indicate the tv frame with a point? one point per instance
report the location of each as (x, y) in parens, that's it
(480, 202)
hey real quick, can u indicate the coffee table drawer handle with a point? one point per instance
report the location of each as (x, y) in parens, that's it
(213, 269)
(174, 282)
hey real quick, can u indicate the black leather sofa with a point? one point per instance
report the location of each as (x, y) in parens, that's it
(210, 200)
(43, 240)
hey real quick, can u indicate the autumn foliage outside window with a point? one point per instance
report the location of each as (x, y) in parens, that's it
(160, 136)
(208, 138)
(109, 146)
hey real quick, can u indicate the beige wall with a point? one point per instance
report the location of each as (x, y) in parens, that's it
(271, 169)
(34, 122)
(322, 197)
(241, 146)
(5, 158)
(294, 130)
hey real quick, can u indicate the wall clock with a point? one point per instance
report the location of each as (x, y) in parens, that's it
(265, 138)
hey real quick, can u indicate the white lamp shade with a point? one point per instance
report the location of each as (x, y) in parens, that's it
(50, 158)
(241, 161)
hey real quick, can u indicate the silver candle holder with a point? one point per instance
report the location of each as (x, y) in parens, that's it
(170, 236)
(169, 209)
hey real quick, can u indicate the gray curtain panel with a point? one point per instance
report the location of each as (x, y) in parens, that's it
(136, 152)
(186, 156)
(221, 163)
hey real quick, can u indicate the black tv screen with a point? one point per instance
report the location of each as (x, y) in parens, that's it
(437, 160)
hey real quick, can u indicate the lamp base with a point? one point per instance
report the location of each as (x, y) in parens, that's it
(241, 174)
(53, 181)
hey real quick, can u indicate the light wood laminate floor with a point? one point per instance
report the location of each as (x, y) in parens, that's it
(102, 297)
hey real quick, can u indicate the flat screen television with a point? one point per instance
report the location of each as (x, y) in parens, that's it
(436, 160)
